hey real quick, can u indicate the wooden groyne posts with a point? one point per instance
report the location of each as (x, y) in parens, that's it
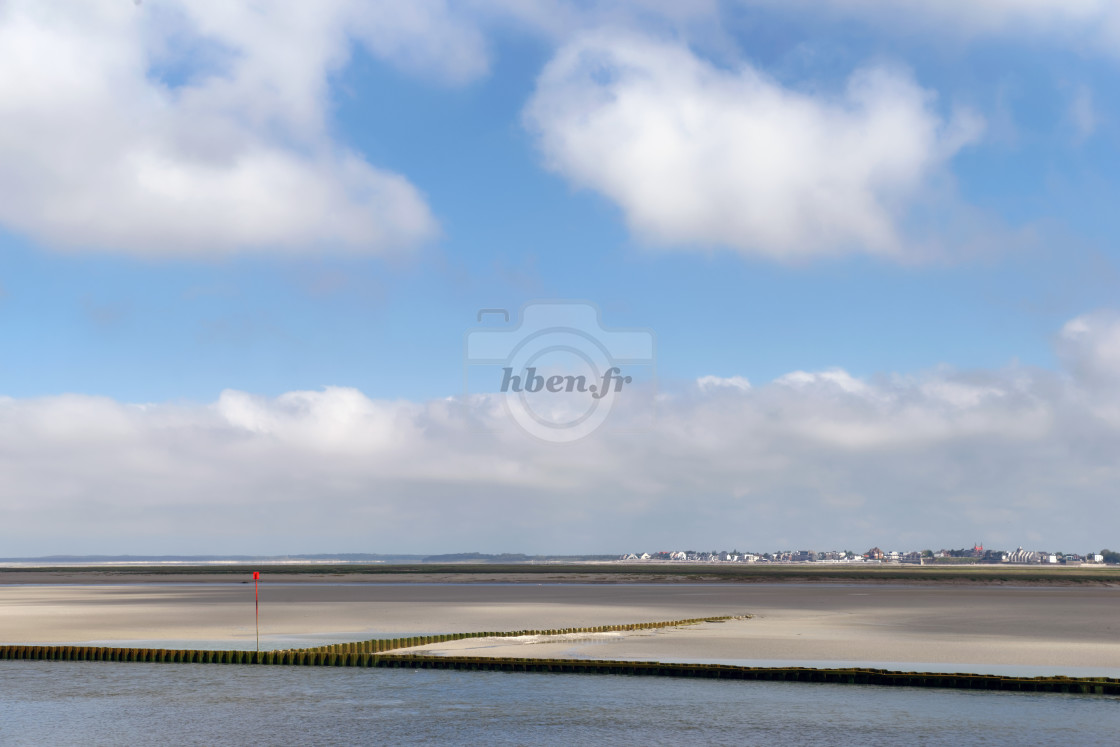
(377, 645)
(370, 653)
(321, 655)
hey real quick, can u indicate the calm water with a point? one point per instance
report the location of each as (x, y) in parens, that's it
(102, 703)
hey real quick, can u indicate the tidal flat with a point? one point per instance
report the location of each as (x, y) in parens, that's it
(1058, 628)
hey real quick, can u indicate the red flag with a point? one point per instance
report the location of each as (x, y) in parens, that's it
(256, 575)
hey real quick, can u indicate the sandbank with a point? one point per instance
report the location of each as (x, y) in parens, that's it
(962, 628)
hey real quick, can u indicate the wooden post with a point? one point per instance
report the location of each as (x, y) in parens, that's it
(257, 601)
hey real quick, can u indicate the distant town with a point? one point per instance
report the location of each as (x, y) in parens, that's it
(974, 554)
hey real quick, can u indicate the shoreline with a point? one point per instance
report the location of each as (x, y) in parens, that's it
(972, 575)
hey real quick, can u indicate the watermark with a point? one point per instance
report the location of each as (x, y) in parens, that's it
(558, 372)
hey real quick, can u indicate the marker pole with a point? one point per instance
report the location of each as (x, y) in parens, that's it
(257, 598)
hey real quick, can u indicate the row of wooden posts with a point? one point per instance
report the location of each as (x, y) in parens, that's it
(369, 653)
(303, 657)
(377, 645)
(330, 655)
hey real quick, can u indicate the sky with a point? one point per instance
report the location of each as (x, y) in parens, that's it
(858, 257)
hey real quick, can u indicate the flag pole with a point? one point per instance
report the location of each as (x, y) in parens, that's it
(257, 600)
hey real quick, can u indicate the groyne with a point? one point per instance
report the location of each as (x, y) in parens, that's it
(372, 653)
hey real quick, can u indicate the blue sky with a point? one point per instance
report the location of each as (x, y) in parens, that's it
(232, 228)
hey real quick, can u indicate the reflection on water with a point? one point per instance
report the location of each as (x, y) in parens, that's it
(103, 703)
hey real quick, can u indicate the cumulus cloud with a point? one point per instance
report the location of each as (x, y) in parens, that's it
(700, 156)
(813, 458)
(1090, 347)
(199, 127)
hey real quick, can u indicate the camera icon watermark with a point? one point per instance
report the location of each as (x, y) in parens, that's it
(557, 371)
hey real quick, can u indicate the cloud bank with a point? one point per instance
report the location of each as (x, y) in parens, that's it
(700, 157)
(824, 459)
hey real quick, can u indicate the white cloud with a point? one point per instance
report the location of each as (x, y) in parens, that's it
(199, 127)
(940, 457)
(1090, 347)
(715, 383)
(699, 156)
(833, 378)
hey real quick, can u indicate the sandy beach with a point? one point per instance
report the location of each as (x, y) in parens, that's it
(965, 626)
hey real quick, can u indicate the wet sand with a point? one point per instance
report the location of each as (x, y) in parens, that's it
(1042, 626)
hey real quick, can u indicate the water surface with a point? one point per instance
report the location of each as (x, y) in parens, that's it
(105, 703)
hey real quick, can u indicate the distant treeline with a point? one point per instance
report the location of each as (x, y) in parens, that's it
(464, 557)
(325, 557)
(506, 557)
